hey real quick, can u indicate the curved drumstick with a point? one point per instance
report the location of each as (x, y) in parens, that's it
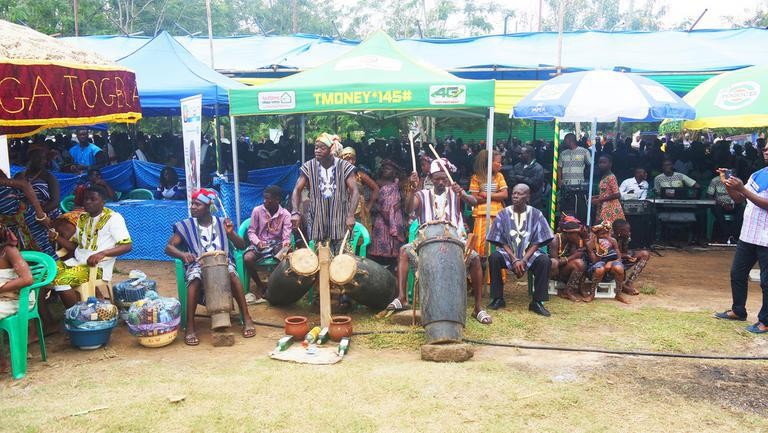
(440, 161)
(306, 244)
(343, 242)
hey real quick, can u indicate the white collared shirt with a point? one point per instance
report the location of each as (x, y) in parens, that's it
(630, 189)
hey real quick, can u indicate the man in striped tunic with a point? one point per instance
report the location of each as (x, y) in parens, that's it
(439, 204)
(333, 195)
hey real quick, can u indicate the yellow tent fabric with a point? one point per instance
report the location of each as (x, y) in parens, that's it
(510, 92)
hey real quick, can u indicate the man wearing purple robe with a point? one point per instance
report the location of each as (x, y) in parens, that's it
(519, 232)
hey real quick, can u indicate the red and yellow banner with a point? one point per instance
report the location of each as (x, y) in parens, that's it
(35, 96)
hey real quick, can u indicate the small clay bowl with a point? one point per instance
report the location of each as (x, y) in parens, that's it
(296, 326)
(341, 326)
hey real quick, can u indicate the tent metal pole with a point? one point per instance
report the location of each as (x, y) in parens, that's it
(303, 139)
(489, 178)
(235, 168)
(217, 134)
(591, 173)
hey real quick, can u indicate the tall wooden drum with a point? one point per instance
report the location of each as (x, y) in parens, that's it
(214, 271)
(442, 283)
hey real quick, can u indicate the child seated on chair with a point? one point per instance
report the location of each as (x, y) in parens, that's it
(14, 275)
(269, 232)
(603, 252)
(100, 236)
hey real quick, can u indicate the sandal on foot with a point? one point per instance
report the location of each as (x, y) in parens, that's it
(191, 340)
(396, 305)
(730, 315)
(249, 332)
(755, 329)
(484, 317)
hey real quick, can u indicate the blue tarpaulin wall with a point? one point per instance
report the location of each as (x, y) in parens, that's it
(129, 175)
(251, 191)
(151, 234)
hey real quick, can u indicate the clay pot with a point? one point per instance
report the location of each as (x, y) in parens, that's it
(296, 326)
(341, 326)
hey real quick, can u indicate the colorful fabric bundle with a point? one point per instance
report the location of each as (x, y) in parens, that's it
(92, 314)
(153, 315)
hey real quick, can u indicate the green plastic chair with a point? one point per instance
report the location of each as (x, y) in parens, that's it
(139, 194)
(67, 203)
(358, 232)
(43, 271)
(267, 265)
(181, 283)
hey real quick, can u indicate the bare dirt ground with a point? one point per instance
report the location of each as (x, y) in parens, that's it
(383, 386)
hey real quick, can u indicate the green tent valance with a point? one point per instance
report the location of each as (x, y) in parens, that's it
(374, 76)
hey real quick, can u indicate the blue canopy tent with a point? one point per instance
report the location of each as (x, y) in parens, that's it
(167, 72)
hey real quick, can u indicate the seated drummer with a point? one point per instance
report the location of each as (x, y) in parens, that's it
(519, 231)
(438, 204)
(634, 260)
(198, 235)
(100, 236)
(567, 255)
(269, 232)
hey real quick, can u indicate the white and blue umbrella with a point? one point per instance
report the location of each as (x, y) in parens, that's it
(601, 96)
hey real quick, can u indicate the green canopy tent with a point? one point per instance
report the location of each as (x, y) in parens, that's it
(375, 78)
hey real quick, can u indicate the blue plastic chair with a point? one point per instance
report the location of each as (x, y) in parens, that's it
(43, 272)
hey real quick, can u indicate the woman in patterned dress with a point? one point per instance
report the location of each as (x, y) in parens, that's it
(607, 204)
(478, 187)
(388, 225)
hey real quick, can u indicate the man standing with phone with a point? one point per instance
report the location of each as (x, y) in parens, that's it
(752, 246)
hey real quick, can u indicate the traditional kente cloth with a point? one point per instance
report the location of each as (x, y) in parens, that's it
(328, 198)
(43, 193)
(19, 217)
(92, 235)
(519, 231)
(199, 240)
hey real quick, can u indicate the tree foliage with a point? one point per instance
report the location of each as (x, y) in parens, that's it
(605, 15)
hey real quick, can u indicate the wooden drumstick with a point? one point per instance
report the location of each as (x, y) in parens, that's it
(413, 153)
(440, 161)
(306, 244)
(343, 242)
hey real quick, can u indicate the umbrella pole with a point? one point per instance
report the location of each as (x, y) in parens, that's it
(591, 173)
(489, 176)
(235, 168)
(555, 156)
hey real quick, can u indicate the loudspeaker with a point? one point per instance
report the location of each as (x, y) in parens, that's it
(642, 231)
